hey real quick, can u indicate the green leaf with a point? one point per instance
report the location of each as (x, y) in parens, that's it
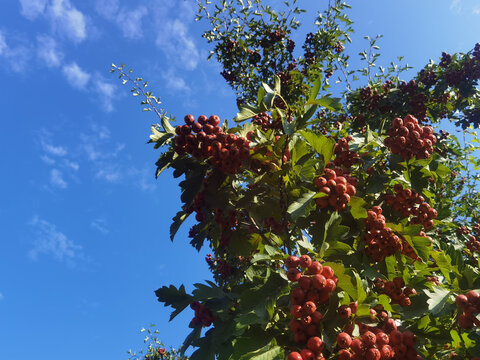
(166, 125)
(176, 298)
(437, 299)
(357, 205)
(315, 89)
(421, 245)
(361, 294)
(278, 83)
(268, 352)
(328, 102)
(302, 205)
(204, 292)
(178, 220)
(321, 144)
(246, 112)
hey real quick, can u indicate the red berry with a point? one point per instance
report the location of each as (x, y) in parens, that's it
(315, 344)
(307, 354)
(328, 272)
(373, 354)
(297, 296)
(319, 281)
(396, 337)
(294, 356)
(296, 311)
(293, 274)
(473, 297)
(369, 338)
(316, 317)
(305, 283)
(382, 338)
(387, 352)
(344, 355)
(465, 322)
(305, 261)
(344, 311)
(344, 340)
(309, 308)
(300, 337)
(315, 268)
(292, 262)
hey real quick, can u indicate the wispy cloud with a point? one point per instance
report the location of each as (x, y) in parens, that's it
(51, 149)
(476, 10)
(106, 91)
(64, 18)
(32, 9)
(1, 296)
(57, 180)
(75, 76)
(455, 5)
(173, 81)
(16, 56)
(130, 21)
(100, 225)
(49, 241)
(68, 20)
(175, 42)
(47, 51)
(3, 43)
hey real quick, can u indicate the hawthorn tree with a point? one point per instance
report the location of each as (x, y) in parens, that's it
(342, 220)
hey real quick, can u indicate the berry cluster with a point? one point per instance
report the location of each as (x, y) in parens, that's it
(343, 155)
(470, 304)
(473, 244)
(410, 203)
(203, 315)
(315, 284)
(219, 266)
(338, 186)
(409, 139)
(264, 120)
(378, 343)
(227, 222)
(416, 98)
(206, 139)
(380, 240)
(396, 291)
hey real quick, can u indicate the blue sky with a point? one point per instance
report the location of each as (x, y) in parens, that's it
(83, 223)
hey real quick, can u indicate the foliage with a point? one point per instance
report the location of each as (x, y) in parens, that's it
(367, 185)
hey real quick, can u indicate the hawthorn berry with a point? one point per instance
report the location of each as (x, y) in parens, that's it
(344, 340)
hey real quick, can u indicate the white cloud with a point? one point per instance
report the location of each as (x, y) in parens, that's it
(17, 57)
(31, 9)
(47, 51)
(47, 160)
(71, 165)
(476, 10)
(175, 42)
(53, 150)
(100, 225)
(76, 76)
(105, 91)
(455, 5)
(68, 20)
(130, 21)
(107, 8)
(64, 17)
(109, 173)
(56, 179)
(173, 81)
(51, 242)
(1, 296)
(3, 43)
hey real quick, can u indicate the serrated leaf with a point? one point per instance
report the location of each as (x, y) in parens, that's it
(178, 220)
(301, 206)
(328, 102)
(321, 144)
(176, 298)
(246, 112)
(357, 208)
(315, 89)
(436, 299)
